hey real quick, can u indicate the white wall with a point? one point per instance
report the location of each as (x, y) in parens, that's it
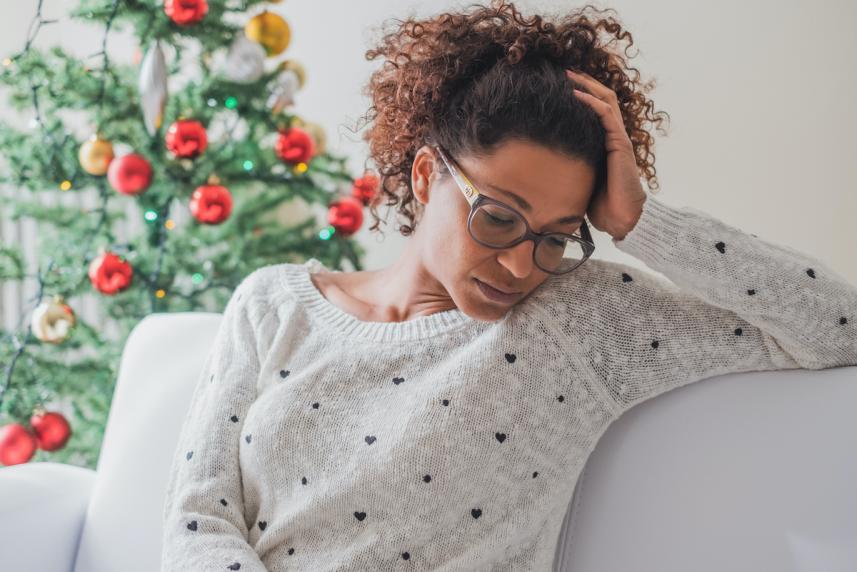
(760, 95)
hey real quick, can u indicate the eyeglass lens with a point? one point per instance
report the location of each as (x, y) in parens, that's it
(499, 227)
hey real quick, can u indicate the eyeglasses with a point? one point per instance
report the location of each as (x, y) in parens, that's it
(494, 224)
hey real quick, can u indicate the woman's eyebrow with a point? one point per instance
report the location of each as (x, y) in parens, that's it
(522, 202)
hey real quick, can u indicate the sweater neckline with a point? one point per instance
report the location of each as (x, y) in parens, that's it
(297, 277)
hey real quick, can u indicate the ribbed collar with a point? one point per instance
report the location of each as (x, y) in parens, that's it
(297, 277)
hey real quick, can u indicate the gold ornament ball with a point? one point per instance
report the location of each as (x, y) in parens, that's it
(300, 71)
(318, 134)
(95, 155)
(270, 30)
(53, 321)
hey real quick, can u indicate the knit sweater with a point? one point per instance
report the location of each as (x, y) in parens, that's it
(316, 441)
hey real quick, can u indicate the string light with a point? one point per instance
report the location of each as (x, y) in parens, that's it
(160, 293)
(197, 278)
(231, 103)
(300, 168)
(326, 233)
(65, 185)
(170, 224)
(150, 215)
(248, 165)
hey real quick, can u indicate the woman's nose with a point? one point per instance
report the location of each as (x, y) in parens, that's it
(518, 259)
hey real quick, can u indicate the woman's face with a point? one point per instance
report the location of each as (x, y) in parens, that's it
(552, 184)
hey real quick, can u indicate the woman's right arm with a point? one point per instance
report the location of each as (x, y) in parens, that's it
(204, 526)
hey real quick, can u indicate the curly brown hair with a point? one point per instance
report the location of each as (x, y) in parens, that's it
(470, 80)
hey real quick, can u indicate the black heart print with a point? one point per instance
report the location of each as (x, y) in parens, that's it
(398, 380)
(476, 512)
(248, 437)
(189, 455)
(626, 277)
(263, 524)
(500, 436)
(235, 566)
(370, 439)
(284, 373)
(721, 246)
(191, 525)
(511, 358)
(360, 516)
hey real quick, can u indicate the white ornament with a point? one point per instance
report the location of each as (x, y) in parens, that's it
(53, 320)
(153, 87)
(283, 91)
(245, 61)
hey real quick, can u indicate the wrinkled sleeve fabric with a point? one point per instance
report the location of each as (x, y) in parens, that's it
(204, 526)
(736, 303)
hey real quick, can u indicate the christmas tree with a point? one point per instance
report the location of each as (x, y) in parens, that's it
(211, 152)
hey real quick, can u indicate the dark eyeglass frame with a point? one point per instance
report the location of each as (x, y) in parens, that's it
(475, 199)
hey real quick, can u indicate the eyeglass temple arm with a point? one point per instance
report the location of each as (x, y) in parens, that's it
(469, 190)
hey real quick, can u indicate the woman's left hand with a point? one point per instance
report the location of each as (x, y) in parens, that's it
(617, 210)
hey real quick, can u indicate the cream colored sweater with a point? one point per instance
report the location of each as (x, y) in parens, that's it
(318, 442)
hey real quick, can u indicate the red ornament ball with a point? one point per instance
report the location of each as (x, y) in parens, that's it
(110, 273)
(185, 12)
(130, 174)
(211, 204)
(186, 139)
(51, 429)
(365, 188)
(295, 145)
(345, 215)
(17, 444)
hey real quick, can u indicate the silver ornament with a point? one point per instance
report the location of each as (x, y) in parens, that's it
(283, 91)
(153, 87)
(245, 61)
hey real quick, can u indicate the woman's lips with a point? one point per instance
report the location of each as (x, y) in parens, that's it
(493, 294)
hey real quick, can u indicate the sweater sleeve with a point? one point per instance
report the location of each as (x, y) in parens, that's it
(737, 303)
(204, 526)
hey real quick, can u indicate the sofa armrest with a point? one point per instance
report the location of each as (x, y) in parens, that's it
(42, 511)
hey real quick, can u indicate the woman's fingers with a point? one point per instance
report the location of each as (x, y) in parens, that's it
(596, 87)
(611, 118)
(601, 107)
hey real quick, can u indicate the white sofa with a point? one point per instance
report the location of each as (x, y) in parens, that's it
(743, 472)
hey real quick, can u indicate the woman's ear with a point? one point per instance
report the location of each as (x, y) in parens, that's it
(422, 171)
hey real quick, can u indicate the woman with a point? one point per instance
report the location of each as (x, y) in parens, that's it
(414, 417)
